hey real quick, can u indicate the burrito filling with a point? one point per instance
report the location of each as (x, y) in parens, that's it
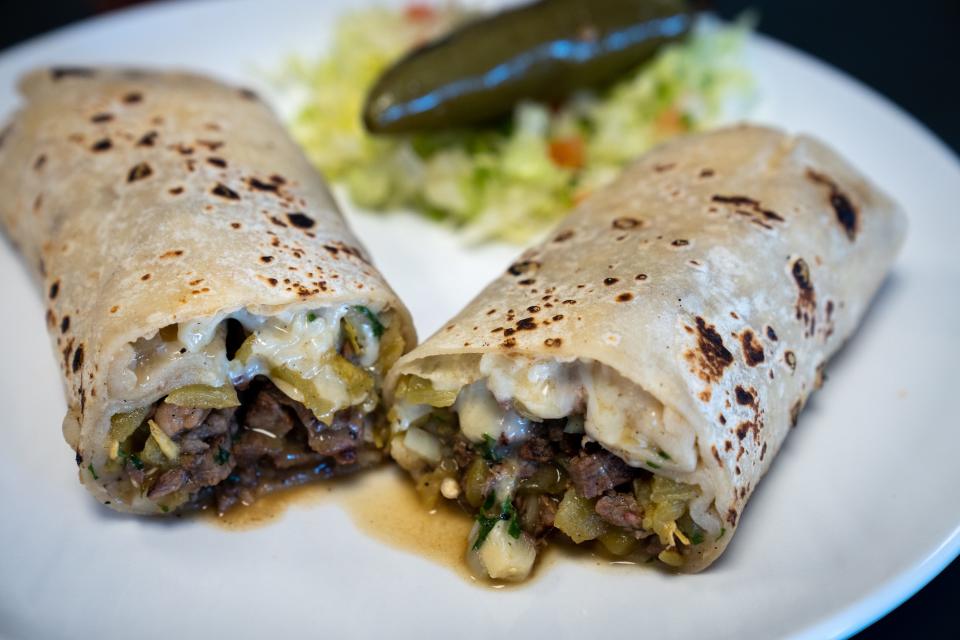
(284, 399)
(527, 447)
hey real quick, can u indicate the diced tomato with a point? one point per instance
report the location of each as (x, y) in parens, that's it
(419, 12)
(567, 152)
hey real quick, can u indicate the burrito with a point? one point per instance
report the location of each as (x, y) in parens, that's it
(220, 330)
(630, 379)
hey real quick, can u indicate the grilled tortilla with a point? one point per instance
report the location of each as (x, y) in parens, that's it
(632, 378)
(220, 330)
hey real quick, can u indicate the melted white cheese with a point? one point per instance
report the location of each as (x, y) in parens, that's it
(301, 341)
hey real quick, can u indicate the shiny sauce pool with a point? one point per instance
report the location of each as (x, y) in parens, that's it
(384, 505)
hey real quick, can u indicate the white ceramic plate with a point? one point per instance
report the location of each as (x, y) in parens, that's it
(859, 511)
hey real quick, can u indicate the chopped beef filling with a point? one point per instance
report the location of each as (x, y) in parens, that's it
(231, 456)
(595, 473)
(547, 463)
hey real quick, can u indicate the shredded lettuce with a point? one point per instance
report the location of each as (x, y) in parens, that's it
(512, 181)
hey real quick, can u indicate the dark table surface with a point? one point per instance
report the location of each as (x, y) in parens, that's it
(908, 51)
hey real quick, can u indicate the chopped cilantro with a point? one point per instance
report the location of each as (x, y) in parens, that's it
(486, 526)
(652, 465)
(164, 508)
(222, 456)
(697, 537)
(663, 454)
(489, 502)
(92, 471)
(311, 316)
(371, 316)
(723, 530)
(488, 449)
(136, 462)
(508, 513)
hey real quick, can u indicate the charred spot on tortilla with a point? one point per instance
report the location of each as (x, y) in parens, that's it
(752, 349)
(145, 277)
(58, 73)
(65, 324)
(527, 281)
(248, 94)
(101, 117)
(224, 191)
(526, 324)
(212, 145)
(101, 145)
(820, 375)
(217, 162)
(523, 267)
(266, 259)
(806, 299)
(66, 353)
(259, 185)
(39, 163)
(752, 208)
(712, 356)
(732, 517)
(509, 331)
(626, 296)
(842, 206)
(175, 191)
(134, 97)
(626, 223)
(77, 359)
(771, 334)
(680, 243)
(744, 397)
(173, 253)
(139, 172)
(706, 173)
(795, 412)
(716, 454)
(563, 236)
(533, 309)
(509, 343)
(553, 342)
(54, 289)
(610, 281)
(148, 139)
(300, 220)
(791, 359)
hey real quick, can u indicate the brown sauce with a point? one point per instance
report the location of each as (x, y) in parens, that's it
(384, 505)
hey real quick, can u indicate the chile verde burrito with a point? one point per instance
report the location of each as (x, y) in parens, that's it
(220, 330)
(629, 380)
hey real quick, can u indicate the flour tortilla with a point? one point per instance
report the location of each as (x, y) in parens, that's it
(143, 199)
(719, 273)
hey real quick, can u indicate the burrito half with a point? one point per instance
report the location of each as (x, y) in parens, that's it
(631, 379)
(220, 331)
